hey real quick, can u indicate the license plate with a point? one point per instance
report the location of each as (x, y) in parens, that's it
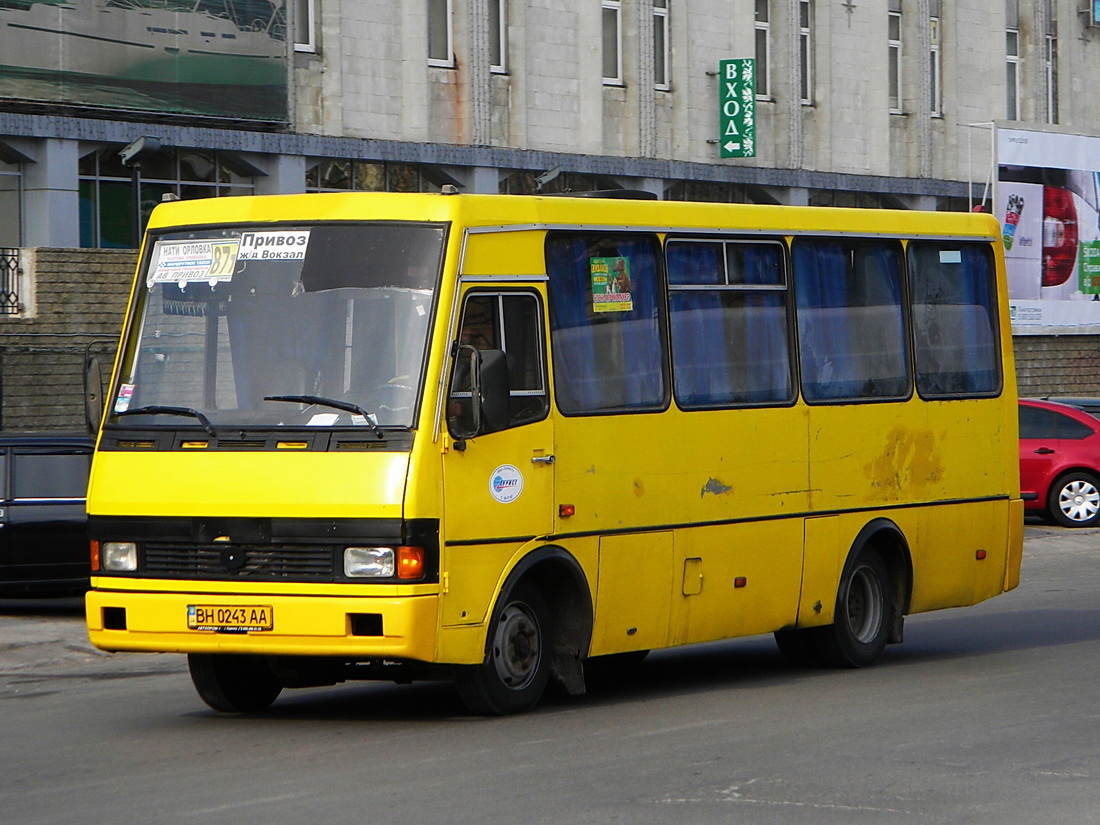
(230, 618)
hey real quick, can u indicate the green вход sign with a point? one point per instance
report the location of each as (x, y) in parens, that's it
(737, 108)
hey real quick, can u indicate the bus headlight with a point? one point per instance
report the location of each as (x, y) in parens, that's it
(118, 556)
(368, 562)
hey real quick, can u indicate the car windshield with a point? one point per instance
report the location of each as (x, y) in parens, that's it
(294, 325)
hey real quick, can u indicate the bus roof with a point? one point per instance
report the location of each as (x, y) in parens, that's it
(550, 211)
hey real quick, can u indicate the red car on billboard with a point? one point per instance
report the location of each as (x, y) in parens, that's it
(1060, 462)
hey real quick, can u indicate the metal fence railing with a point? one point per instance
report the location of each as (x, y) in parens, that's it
(9, 281)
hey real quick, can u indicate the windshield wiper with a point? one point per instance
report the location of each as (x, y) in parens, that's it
(157, 409)
(335, 403)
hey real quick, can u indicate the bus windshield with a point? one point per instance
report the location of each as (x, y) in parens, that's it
(293, 325)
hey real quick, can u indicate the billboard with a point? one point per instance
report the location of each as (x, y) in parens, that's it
(1047, 198)
(214, 58)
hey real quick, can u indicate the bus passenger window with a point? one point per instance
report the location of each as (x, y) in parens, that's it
(954, 319)
(728, 315)
(852, 341)
(511, 322)
(606, 319)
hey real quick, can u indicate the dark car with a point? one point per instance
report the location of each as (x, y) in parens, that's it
(43, 522)
(1060, 462)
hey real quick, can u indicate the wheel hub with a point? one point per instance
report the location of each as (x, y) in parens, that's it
(516, 647)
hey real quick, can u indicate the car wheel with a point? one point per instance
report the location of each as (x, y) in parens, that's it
(234, 683)
(516, 668)
(864, 607)
(1074, 500)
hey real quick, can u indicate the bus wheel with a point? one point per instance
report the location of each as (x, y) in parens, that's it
(514, 674)
(1074, 500)
(861, 624)
(234, 683)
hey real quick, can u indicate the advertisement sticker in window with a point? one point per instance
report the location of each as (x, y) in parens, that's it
(611, 284)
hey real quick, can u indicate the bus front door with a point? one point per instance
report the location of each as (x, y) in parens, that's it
(498, 475)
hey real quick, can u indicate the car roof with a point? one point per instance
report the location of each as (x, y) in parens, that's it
(1071, 410)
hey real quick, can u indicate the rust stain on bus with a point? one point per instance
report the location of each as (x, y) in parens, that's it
(909, 459)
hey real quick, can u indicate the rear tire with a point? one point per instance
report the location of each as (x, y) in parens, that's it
(516, 669)
(1074, 500)
(234, 683)
(864, 611)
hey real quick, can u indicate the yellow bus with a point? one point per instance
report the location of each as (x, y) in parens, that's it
(490, 438)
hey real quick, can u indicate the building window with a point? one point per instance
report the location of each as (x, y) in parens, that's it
(1012, 59)
(935, 61)
(305, 39)
(11, 188)
(347, 175)
(660, 45)
(107, 191)
(805, 51)
(1051, 65)
(893, 48)
(763, 49)
(498, 37)
(440, 33)
(612, 42)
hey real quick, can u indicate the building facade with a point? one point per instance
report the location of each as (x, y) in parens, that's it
(857, 102)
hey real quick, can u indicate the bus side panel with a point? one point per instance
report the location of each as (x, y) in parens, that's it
(736, 580)
(914, 452)
(824, 559)
(959, 554)
(633, 593)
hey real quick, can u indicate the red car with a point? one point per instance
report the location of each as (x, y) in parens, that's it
(1060, 462)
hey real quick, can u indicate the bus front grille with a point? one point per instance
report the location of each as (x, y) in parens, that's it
(236, 561)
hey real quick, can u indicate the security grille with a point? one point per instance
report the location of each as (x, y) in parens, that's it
(9, 281)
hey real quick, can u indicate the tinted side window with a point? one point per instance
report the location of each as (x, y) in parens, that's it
(728, 316)
(954, 319)
(44, 473)
(1036, 422)
(606, 322)
(851, 326)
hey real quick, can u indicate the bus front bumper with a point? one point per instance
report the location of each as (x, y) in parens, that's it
(269, 624)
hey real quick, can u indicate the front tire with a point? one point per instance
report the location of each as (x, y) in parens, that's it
(1074, 500)
(517, 666)
(864, 610)
(234, 683)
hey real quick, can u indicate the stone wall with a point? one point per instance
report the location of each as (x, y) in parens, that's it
(71, 300)
(1057, 365)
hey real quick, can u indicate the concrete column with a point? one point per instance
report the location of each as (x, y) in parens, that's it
(286, 175)
(51, 206)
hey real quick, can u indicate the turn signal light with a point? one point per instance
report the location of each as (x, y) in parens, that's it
(95, 556)
(410, 562)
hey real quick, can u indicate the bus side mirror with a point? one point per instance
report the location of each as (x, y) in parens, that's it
(479, 397)
(493, 391)
(93, 392)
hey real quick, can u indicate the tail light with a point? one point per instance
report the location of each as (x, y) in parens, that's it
(1059, 235)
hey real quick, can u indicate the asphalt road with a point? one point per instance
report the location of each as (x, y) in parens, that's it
(984, 715)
